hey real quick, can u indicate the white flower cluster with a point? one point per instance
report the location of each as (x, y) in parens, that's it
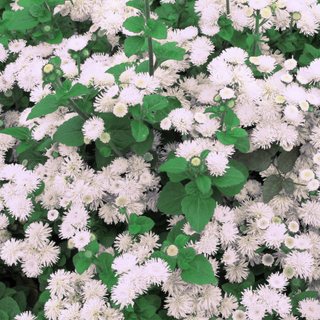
(34, 252)
(74, 296)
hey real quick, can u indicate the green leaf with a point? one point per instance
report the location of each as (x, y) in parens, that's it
(106, 260)
(242, 144)
(139, 130)
(47, 105)
(145, 223)
(22, 20)
(181, 240)
(21, 133)
(198, 211)
(132, 45)
(170, 198)
(288, 185)
(141, 148)
(134, 228)
(118, 69)
(204, 153)
(82, 265)
(286, 160)
(40, 189)
(199, 272)
(225, 138)
(154, 102)
(188, 254)
(174, 165)
(271, 187)
(70, 132)
(230, 178)
(235, 288)
(135, 24)
(158, 29)
(192, 189)
(24, 145)
(203, 183)
(314, 52)
(21, 300)
(93, 246)
(3, 315)
(226, 32)
(2, 289)
(167, 51)
(238, 132)
(258, 160)
(77, 90)
(9, 306)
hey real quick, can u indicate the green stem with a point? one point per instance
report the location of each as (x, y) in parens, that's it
(256, 33)
(115, 149)
(281, 36)
(150, 49)
(222, 120)
(72, 103)
(228, 7)
(78, 63)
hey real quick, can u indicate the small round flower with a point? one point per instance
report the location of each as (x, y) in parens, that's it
(27, 315)
(267, 259)
(287, 78)
(122, 201)
(226, 93)
(313, 185)
(93, 128)
(105, 137)
(290, 64)
(120, 109)
(291, 112)
(289, 242)
(48, 68)
(196, 161)
(306, 175)
(239, 315)
(165, 124)
(255, 60)
(266, 13)
(200, 117)
(316, 158)
(38, 233)
(288, 271)
(248, 12)
(293, 226)
(279, 99)
(304, 105)
(172, 250)
(263, 223)
(53, 214)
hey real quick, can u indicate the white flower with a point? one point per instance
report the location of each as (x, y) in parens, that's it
(238, 271)
(227, 306)
(256, 312)
(165, 124)
(156, 271)
(293, 226)
(301, 262)
(4, 221)
(290, 64)
(53, 307)
(59, 284)
(226, 93)
(306, 175)
(289, 242)
(217, 163)
(123, 293)
(210, 298)
(267, 63)
(309, 212)
(37, 233)
(93, 128)
(313, 185)
(316, 158)
(239, 315)
(228, 233)
(309, 308)
(81, 239)
(53, 214)
(182, 119)
(94, 289)
(200, 49)
(27, 315)
(12, 251)
(120, 109)
(275, 235)
(258, 4)
(49, 254)
(287, 78)
(93, 309)
(77, 42)
(124, 263)
(263, 223)
(230, 256)
(267, 259)
(277, 281)
(31, 267)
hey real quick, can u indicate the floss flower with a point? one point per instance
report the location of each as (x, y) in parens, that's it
(93, 128)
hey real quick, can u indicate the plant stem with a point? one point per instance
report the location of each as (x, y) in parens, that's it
(72, 103)
(228, 7)
(222, 120)
(78, 63)
(115, 149)
(150, 49)
(256, 33)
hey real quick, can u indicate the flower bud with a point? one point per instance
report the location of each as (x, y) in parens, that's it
(172, 251)
(48, 68)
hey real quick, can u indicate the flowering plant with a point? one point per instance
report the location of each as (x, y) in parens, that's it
(159, 159)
